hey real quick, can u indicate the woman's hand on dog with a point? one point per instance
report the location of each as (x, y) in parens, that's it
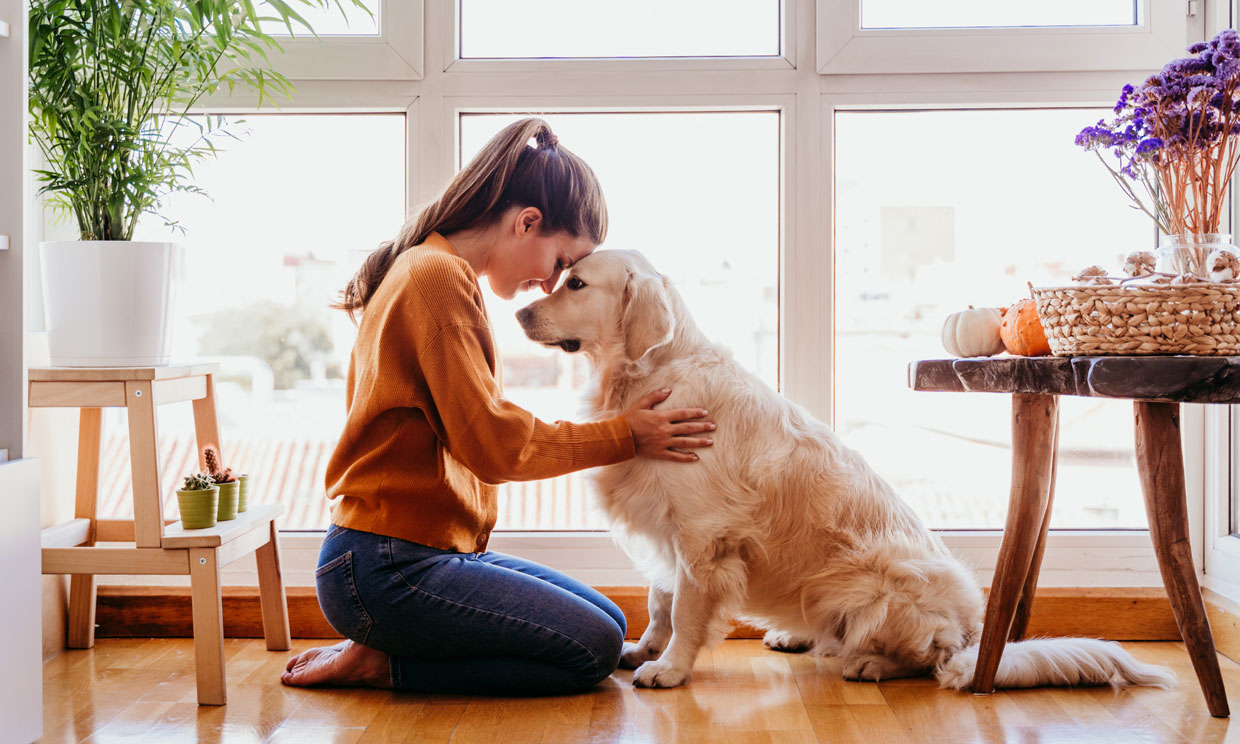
(655, 433)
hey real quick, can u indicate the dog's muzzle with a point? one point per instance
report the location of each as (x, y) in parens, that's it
(525, 317)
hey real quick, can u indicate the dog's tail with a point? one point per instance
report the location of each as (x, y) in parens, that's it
(1041, 662)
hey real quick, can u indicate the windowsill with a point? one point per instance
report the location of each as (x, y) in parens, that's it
(1073, 558)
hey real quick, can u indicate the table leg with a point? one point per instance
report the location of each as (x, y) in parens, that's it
(148, 510)
(206, 422)
(1034, 423)
(208, 612)
(81, 632)
(1023, 610)
(271, 592)
(1161, 466)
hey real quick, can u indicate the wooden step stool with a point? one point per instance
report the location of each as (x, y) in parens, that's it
(158, 548)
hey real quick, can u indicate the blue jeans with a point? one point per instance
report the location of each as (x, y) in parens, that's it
(469, 623)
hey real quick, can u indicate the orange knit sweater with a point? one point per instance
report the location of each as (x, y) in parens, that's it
(428, 435)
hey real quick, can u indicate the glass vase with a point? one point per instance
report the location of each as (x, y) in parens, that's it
(1186, 254)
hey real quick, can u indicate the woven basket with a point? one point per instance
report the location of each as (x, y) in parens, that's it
(1100, 320)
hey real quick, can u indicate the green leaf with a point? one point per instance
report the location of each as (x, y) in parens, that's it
(112, 81)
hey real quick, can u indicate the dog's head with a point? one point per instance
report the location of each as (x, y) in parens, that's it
(611, 300)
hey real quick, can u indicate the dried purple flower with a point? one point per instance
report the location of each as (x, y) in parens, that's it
(1123, 99)
(1148, 149)
(1172, 137)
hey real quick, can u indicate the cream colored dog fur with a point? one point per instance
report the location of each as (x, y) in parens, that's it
(779, 524)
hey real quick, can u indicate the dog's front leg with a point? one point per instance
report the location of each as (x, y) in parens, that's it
(654, 638)
(694, 607)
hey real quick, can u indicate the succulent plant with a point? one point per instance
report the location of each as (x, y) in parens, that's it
(198, 482)
(211, 455)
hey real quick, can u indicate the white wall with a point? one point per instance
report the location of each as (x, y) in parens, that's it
(21, 685)
(12, 206)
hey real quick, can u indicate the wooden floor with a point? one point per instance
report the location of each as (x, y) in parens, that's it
(138, 690)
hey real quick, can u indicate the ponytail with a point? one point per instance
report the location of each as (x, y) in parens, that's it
(507, 172)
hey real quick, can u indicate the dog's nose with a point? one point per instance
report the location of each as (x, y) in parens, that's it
(524, 316)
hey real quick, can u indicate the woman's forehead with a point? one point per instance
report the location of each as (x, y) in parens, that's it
(579, 248)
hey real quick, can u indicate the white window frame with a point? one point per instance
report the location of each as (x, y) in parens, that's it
(846, 48)
(807, 101)
(1220, 555)
(394, 54)
(1218, 552)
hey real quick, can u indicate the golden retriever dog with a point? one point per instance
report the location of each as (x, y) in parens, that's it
(779, 524)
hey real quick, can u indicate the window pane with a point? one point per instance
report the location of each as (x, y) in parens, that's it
(295, 206)
(963, 208)
(348, 20)
(709, 220)
(636, 28)
(996, 13)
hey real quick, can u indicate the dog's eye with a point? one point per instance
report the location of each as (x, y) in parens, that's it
(574, 283)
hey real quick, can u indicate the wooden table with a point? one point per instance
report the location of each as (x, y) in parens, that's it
(1157, 385)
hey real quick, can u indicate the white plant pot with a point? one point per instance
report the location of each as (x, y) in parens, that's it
(108, 303)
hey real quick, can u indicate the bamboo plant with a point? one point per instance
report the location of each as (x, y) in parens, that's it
(113, 81)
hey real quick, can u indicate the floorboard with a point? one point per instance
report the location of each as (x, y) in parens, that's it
(142, 690)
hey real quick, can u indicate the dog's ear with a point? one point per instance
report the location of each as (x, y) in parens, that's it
(647, 321)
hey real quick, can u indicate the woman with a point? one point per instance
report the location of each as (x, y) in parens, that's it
(404, 573)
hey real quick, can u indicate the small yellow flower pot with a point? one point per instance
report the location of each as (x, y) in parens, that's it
(243, 491)
(198, 508)
(228, 501)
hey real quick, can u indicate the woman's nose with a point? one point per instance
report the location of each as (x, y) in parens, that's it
(548, 285)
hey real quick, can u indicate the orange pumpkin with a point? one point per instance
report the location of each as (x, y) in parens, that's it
(1022, 332)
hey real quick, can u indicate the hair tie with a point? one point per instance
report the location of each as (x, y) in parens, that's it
(548, 141)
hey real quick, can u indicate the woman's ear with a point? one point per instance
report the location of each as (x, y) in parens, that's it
(527, 218)
(647, 319)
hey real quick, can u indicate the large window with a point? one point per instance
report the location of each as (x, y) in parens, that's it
(992, 36)
(345, 19)
(997, 13)
(296, 202)
(635, 28)
(964, 208)
(818, 178)
(713, 230)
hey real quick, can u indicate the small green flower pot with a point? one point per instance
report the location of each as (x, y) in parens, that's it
(228, 501)
(198, 508)
(243, 492)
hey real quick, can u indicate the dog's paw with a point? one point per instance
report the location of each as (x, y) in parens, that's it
(870, 668)
(874, 668)
(636, 654)
(659, 674)
(780, 640)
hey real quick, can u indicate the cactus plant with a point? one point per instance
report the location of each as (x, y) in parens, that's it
(198, 501)
(198, 482)
(211, 454)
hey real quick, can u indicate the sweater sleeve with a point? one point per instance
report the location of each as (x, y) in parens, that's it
(496, 439)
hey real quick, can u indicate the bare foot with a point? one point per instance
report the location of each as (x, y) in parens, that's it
(347, 664)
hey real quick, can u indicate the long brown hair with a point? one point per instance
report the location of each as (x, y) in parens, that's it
(506, 173)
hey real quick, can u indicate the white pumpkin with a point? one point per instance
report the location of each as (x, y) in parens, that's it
(973, 332)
